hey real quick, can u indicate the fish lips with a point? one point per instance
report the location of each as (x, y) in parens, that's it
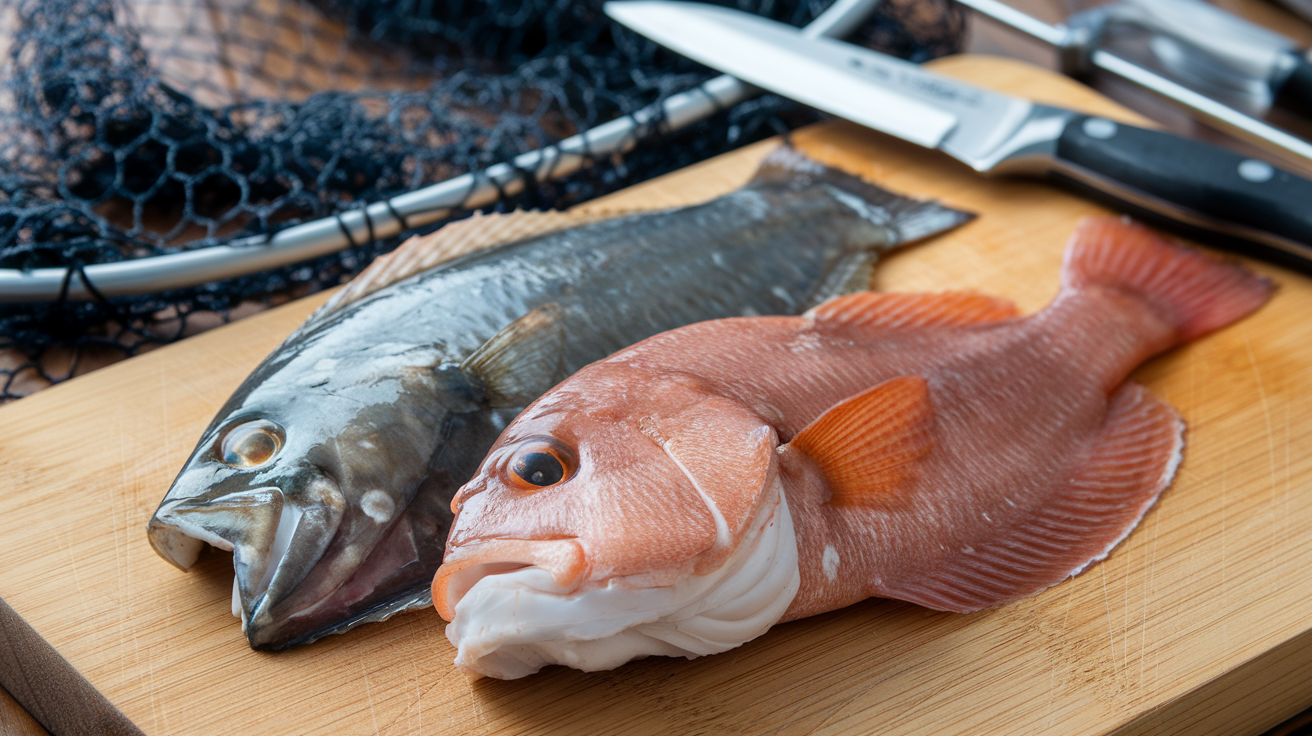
(276, 538)
(465, 565)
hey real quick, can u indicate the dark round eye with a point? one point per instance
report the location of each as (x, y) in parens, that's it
(250, 444)
(540, 469)
(542, 462)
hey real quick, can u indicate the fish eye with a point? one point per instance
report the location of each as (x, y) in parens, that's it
(250, 444)
(541, 462)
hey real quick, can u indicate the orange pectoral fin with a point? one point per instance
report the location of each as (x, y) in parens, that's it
(867, 446)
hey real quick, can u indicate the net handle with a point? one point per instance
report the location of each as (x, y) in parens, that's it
(391, 217)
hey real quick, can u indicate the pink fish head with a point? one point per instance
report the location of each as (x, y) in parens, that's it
(614, 481)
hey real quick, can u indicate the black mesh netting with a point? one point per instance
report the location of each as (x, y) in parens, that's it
(140, 127)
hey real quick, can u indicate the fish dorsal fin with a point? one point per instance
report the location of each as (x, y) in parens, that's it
(879, 311)
(1034, 542)
(521, 361)
(728, 455)
(867, 446)
(423, 252)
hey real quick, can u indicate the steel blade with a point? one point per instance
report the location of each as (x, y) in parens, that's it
(864, 86)
(765, 56)
(1245, 49)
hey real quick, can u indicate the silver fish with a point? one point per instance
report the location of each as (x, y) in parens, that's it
(330, 472)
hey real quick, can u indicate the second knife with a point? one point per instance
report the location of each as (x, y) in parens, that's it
(1199, 189)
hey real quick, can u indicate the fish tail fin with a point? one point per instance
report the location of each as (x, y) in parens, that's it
(911, 219)
(1196, 293)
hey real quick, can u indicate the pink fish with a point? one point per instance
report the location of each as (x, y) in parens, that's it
(685, 494)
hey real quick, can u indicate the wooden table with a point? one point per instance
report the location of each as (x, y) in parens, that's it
(14, 721)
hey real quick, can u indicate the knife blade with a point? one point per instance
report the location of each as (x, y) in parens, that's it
(1241, 51)
(1083, 46)
(1209, 46)
(1195, 188)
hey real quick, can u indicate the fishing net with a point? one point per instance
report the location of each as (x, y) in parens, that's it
(133, 128)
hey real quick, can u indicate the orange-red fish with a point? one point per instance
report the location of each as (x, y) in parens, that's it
(687, 493)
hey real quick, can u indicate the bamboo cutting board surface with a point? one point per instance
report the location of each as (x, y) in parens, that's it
(1198, 623)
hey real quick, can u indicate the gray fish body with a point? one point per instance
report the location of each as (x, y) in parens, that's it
(382, 408)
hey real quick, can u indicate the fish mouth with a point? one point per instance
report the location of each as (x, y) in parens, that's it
(180, 530)
(512, 614)
(275, 542)
(467, 564)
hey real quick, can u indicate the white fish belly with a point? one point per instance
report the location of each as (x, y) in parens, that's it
(512, 624)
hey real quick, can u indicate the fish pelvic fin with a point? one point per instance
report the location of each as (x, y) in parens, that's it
(908, 219)
(868, 446)
(1126, 466)
(874, 311)
(1194, 292)
(521, 361)
(476, 232)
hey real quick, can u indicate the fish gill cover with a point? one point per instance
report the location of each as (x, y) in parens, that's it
(131, 128)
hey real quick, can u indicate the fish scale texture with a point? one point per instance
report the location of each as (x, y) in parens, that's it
(1128, 465)
(386, 400)
(136, 128)
(933, 448)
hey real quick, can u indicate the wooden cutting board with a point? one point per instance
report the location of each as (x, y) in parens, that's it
(1198, 623)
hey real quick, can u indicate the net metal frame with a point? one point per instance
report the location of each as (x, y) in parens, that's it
(136, 128)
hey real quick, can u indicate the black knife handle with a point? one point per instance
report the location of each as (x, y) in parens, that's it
(1192, 182)
(1294, 93)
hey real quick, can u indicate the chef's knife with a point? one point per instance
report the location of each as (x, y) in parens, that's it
(1201, 189)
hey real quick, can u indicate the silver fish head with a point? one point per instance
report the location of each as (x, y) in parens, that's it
(310, 487)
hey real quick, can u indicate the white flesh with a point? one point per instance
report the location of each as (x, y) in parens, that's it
(512, 624)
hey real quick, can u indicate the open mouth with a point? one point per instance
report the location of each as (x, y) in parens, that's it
(562, 560)
(288, 521)
(459, 583)
(180, 530)
(511, 614)
(275, 543)
(239, 523)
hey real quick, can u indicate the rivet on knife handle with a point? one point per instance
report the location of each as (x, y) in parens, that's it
(1185, 180)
